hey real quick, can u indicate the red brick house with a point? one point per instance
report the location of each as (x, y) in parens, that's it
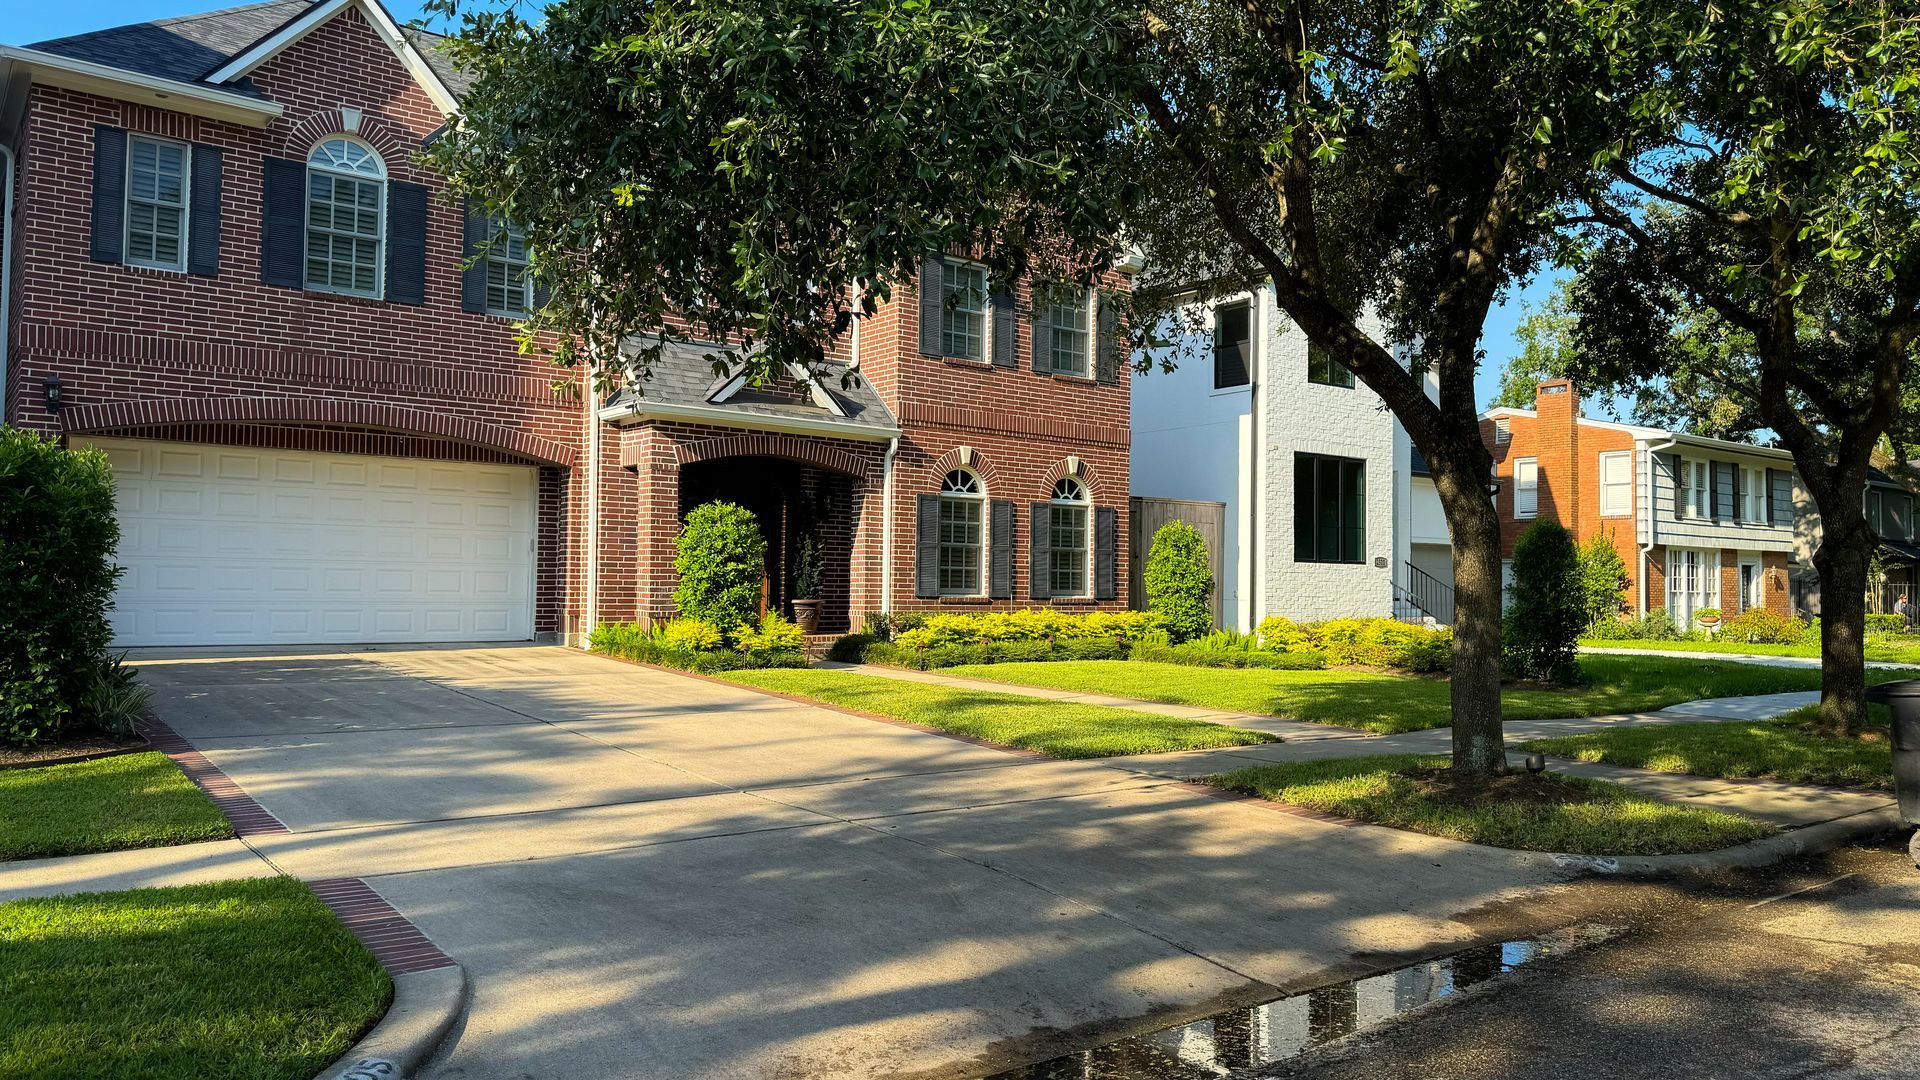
(1699, 522)
(225, 266)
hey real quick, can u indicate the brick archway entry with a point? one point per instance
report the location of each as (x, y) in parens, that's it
(126, 417)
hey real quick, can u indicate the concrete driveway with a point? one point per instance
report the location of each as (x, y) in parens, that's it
(650, 875)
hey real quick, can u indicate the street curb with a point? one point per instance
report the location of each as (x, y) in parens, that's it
(1811, 840)
(426, 1004)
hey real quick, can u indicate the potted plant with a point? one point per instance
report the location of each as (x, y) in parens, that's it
(806, 584)
(1708, 618)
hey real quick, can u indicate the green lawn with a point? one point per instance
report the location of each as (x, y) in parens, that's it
(1785, 748)
(1388, 704)
(1598, 818)
(1057, 729)
(252, 979)
(128, 801)
(1877, 651)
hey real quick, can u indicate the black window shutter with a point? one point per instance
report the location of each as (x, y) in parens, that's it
(1782, 487)
(203, 213)
(1042, 344)
(283, 225)
(1001, 584)
(109, 193)
(542, 294)
(1106, 555)
(1106, 350)
(1000, 310)
(473, 275)
(1039, 552)
(1678, 470)
(926, 548)
(1723, 503)
(1306, 496)
(933, 295)
(1739, 493)
(1773, 515)
(406, 243)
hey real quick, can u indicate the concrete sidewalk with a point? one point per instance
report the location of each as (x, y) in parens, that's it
(1740, 658)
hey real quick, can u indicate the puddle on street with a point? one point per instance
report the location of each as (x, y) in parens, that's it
(1246, 1038)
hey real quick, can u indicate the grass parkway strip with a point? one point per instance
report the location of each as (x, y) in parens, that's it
(1787, 749)
(1389, 704)
(107, 804)
(1057, 729)
(1876, 652)
(1549, 812)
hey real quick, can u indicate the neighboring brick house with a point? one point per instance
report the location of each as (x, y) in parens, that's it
(228, 269)
(1699, 522)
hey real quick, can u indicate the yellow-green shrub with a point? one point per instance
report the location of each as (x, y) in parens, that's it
(691, 635)
(1027, 624)
(775, 634)
(1278, 633)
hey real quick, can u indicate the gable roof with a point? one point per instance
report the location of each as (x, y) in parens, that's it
(682, 384)
(218, 48)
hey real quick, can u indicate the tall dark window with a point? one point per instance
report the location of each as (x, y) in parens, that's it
(1329, 509)
(1232, 344)
(1322, 368)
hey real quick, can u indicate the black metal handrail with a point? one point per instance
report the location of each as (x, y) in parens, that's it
(1429, 594)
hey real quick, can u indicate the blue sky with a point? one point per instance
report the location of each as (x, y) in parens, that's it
(38, 21)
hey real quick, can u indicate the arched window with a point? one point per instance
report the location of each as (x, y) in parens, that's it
(962, 533)
(346, 217)
(1067, 538)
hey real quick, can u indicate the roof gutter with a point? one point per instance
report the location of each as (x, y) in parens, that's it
(88, 77)
(635, 411)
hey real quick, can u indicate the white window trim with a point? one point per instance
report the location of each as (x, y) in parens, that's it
(1623, 507)
(986, 312)
(1699, 506)
(380, 224)
(1530, 488)
(186, 205)
(979, 497)
(1085, 505)
(1088, 300)
(496, 255)
(1753, 495)
(1706, 586)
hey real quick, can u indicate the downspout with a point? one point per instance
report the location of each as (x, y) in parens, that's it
(591, 602)
(6, 277)
(886, 483)
(1653, 520)
(1256, 511)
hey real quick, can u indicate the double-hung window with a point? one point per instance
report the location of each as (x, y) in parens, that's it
(346, 217)
(1322, 368)
(1329, 509)
(1232, 344)
(156, 203)
(1071, 316)
(1616, 483)
(1526, 487)
(1696, 489)
(509, 287)
(963, 320)
(1067, 539)
(962, 546)
(1753, 495)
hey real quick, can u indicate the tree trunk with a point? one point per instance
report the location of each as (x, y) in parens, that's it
(1844, 559)
(1479, 745)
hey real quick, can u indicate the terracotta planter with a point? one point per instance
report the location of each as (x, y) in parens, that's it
(807, 614)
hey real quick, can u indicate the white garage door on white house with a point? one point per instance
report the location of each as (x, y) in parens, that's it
(235, 546)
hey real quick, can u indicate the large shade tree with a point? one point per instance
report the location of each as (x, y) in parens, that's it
(766, 170)
(1762, 250)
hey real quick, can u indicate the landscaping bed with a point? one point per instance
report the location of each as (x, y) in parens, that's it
(125, 801)
(251, 979)
(696, 645)
(1388, 703)
(1548, 812)
(1057, 729)
(1786, 748)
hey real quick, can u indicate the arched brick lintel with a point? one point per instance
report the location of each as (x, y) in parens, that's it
(160, 412)
(977, 463)
(807, 451)
(1085, 473)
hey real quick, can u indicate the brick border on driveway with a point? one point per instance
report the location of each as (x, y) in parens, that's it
(393, 940)
(249, 817)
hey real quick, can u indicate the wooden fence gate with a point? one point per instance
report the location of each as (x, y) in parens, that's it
(1147, 515)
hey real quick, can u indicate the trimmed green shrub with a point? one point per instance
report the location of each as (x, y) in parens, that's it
(1026, 624)
(1179, 581)
(1603, 577)
(850, 648)
(1200, 654)
(1278, 633)
(721, 560)
(57, 539)
(689, 635)
(1762, 627)
(1549, 607)
(775, 633)
(1885, 624)
(927, 658)
(630, 641)
(1655, 626)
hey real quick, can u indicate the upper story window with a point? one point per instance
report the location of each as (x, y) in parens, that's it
(1232, 344)
(962, 531)
(1526, 487)
(1616, 484)
(156, 203)
(1753, 495)
(1329, 509)
(346, 217)
(1694, 489)
(963, 326)
(1322, 368)
(509, 286)
(1067, 538)
(1071, 316)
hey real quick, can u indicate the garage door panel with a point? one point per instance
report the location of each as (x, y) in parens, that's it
(234, 546)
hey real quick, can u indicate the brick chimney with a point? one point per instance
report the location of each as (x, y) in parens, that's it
(1557, 443)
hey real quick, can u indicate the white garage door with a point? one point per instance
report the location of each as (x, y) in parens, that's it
(232, 546)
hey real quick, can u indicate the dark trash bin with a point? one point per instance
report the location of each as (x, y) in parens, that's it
(1904, 698)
